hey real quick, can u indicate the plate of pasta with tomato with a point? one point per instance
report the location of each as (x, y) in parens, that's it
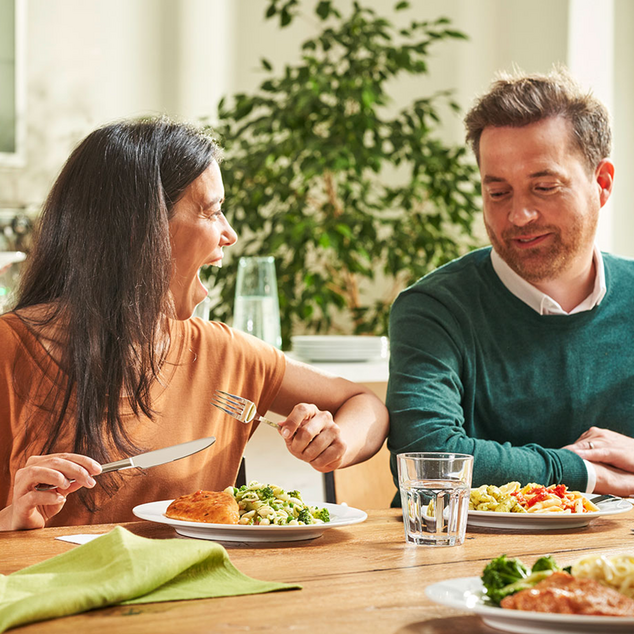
(538, 507)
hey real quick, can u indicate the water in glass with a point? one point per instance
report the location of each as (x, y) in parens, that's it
(435, 511)
(256, 308)
(259, 316)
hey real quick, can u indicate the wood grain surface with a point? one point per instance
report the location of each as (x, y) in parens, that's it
(362, 578)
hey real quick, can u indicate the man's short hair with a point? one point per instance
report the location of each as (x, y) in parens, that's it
(517, 99)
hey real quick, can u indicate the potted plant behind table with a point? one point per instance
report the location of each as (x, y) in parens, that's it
(354, 203)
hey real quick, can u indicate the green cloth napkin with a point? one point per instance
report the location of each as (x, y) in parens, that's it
(121, 567)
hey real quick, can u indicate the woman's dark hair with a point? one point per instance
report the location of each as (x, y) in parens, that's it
(101, 267)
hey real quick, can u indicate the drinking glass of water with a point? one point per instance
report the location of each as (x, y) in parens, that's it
(256, 309)
(435, 489)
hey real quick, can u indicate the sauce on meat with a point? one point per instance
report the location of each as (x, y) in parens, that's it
(564, 594)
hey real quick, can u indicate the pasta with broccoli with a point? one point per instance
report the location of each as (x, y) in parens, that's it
(264, 504)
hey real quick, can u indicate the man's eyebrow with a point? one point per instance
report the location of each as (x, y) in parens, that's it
(546, 172)
(492, 179)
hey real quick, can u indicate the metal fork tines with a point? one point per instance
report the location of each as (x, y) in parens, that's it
(605, 498)
(240, 408)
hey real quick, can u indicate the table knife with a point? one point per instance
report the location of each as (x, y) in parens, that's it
(151, 458)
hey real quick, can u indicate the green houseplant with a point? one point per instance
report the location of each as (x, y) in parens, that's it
(347, 193)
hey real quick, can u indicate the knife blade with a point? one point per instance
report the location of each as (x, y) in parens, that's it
(151, 458)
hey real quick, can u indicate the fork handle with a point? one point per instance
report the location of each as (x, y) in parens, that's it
(261, 419)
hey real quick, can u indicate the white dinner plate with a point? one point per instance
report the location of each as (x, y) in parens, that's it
(340, 515)
(546, 521)
(466, 594)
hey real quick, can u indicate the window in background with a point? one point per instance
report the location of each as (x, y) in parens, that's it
(12, 13)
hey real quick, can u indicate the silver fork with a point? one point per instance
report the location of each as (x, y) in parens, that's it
(605, 498)
(240, 408)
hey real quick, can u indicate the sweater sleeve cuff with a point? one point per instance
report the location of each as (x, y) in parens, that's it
(592, 476)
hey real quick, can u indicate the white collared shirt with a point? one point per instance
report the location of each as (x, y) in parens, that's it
(542, 303)
(546, 305)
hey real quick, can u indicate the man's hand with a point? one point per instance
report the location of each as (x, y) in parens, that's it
(612, 480)
(313, 436)
(612, 455)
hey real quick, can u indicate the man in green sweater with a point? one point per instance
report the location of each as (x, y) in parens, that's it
(523, 354)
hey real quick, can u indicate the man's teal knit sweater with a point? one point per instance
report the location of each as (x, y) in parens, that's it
(475, 370)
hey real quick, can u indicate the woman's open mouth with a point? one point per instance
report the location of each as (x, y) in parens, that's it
(218, 261)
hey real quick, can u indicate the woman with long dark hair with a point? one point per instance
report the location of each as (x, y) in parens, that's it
(101, 358)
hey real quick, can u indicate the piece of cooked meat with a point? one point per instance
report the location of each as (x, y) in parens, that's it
(215, 507)
(565, 594)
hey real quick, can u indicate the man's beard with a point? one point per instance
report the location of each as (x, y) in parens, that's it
(544, 262)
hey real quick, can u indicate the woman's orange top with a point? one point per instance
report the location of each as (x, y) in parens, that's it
(203, 356)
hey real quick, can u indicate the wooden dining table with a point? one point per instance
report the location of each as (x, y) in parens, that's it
(359, 578)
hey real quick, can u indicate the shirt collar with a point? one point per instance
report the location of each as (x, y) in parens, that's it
(542, 303)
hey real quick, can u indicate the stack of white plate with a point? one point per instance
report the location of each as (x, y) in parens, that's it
(334, 348)
(9, 257)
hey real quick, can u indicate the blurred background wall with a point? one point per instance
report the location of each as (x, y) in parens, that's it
(88, 62)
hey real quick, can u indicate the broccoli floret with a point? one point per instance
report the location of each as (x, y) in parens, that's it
(323, 515)
(305, 516)
(503, 577)
(522, 584)
(295, 494)
(499, 573)
(265, 493)
(545, 563)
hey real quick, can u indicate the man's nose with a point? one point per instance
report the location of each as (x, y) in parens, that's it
(522, 212)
